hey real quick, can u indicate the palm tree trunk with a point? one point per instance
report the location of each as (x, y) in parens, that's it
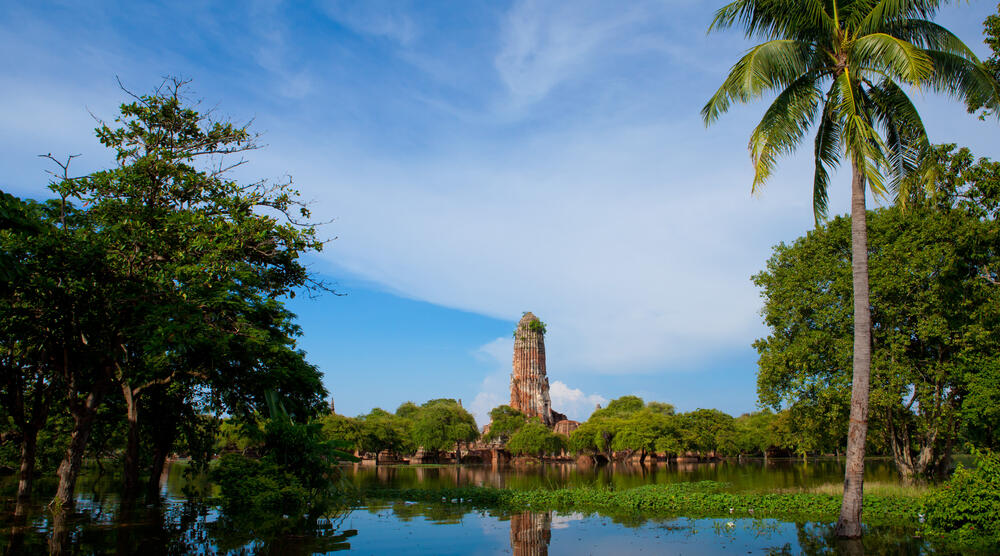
(849, 525)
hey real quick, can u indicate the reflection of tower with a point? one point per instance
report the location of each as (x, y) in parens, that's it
(530, 533)
(529, 385)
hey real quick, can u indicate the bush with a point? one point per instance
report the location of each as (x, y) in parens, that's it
(296, 477)
(253, 487)
(967, 507)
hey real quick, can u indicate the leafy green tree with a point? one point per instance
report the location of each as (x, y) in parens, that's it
(584, 439)
(191, 263)
(702, 430)
(53, 337)
(934, 308)
(843, 63)
(407, 410)
(751, 433)
(620, 407)
(343, 428)
(536, 439)
(504, 422)
(640, 431)
(381, 430)
(441, 424)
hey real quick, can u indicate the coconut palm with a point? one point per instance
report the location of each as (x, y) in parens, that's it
(845, 65)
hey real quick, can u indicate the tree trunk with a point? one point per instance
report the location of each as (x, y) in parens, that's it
(131, 478)
(69, 468)
(29, 447)
(161, 447)
(849, 524)
(458, 453)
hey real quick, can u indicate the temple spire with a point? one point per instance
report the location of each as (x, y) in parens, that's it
(529, 384)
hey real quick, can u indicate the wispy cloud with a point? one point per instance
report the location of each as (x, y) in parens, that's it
(545, 42)
(390, 20)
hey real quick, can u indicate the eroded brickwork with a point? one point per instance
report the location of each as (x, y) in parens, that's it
(529, 385)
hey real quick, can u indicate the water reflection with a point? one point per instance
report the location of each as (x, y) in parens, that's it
(748, 474)
(184, 525)
(188, 527)
(531, 533)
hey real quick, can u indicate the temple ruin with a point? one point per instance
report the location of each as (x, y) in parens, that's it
(529, 384)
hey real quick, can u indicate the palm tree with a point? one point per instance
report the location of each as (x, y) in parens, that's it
(842, 64)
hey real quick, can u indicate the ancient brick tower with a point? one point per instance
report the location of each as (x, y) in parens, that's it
(529, 385)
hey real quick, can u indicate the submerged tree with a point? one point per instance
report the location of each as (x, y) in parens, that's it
(158, 279)
(843, 64)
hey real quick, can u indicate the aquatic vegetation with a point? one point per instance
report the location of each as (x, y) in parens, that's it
(696, 499)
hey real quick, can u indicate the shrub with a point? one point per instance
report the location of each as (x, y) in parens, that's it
(967, 507)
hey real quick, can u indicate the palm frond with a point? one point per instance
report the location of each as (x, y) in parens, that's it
(869, 16)
(771, 65)
(905, 136)
(827, 155)
(784, 124)
(893, 56)
(771, 19)
(930, 35)
(963, 78)
(860, 139)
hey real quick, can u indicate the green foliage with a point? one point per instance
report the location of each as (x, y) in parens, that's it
(991, 31)
(535, 325)
(536, 439)
(296, 475)
(231, 436)
(407, 410)
(967, 506)
(627, 426)
(690, 499)
(343, 428)
(620, 407)
(584, 439)
(380, 430)
(845, 66)
(16, 217)
(934, 310)
(441, 424)
(504, 422)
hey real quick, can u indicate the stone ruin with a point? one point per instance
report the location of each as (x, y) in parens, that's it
(529, 384)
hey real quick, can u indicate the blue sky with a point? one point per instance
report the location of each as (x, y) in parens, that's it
(477, 160)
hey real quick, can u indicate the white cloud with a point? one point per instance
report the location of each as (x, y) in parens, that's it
(637, 256)
(573, 402)
(498, 350)
(495, 388)
(562, 521)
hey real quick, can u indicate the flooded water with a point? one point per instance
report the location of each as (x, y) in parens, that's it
(189, 526)
(755, 474)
